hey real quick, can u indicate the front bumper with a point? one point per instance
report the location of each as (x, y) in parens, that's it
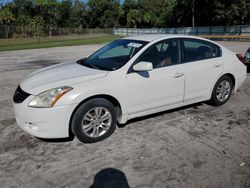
(43, 122)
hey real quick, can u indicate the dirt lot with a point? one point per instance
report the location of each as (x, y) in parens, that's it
(195, 146)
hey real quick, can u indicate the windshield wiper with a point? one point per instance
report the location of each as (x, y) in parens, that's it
(91, 66)
(84, 63)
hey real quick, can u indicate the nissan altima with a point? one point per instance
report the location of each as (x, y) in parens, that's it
(247, 56)
(130, 77)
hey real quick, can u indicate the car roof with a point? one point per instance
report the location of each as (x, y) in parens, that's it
(148, 37)
(153, 37)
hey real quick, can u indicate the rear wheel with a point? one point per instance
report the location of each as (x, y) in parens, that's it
(222, 91)
(94, 120)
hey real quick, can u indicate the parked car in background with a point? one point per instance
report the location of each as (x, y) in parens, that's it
(128, 78)
(247, 56)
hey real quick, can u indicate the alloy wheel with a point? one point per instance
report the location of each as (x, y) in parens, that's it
(96, 122)
(223, 91)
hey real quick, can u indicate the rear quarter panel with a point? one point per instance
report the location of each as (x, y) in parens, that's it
(234, 66)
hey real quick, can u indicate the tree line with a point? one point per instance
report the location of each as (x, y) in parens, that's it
(130, 13)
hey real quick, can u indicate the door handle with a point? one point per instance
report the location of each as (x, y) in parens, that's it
(178, 74)
(217, 65)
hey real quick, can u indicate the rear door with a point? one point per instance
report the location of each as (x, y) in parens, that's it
(203, 65)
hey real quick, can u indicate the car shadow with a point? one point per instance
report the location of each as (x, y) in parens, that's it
(159, 114)
(110, 177)
(248, 68)
(144, 74)
(71, 137)
(58, 140)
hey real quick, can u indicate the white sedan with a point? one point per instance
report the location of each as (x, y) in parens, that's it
(247, 56)
(128, 78)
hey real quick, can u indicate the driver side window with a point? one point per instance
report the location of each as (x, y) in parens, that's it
(162, 54)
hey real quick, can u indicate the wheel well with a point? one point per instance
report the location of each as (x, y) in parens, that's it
(111, 99)
(232, 78)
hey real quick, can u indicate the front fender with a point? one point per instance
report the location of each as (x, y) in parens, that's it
(79, 94)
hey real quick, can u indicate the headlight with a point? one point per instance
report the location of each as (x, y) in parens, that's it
(48, 98)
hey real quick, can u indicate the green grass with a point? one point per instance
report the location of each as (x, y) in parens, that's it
(32, 43)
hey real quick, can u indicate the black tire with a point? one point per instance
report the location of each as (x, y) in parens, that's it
(214, 101)
(76, 123)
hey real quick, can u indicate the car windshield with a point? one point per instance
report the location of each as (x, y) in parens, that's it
(248, 50)
(114, 55)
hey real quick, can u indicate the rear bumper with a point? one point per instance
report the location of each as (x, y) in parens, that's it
(44, 122)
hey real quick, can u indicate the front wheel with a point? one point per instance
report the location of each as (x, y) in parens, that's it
(222, 91)
(94, 120)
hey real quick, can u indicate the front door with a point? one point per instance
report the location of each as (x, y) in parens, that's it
(162, 86)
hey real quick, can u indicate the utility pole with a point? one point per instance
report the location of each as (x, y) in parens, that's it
(193, 6)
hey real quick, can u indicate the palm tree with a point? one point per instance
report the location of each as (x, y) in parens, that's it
(6, 18)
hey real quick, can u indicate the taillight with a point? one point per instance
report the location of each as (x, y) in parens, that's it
(241, 58)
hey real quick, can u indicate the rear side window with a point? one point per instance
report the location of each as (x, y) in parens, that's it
(195, 49)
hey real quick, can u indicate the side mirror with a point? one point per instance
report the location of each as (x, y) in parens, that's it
(143, 66)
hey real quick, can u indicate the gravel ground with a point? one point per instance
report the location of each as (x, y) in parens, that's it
(194, 146)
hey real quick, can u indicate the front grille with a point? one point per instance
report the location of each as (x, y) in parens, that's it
(20, 95)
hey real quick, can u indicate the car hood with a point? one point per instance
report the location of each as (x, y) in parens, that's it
(64, 74)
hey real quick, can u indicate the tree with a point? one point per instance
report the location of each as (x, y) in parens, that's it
(125, 8)
(65, 9)
(77, 14)
(6, 18)
(134, 18)
(147, 13)
(167, 15)
(103, 13)
(49, 14)
(231, 12)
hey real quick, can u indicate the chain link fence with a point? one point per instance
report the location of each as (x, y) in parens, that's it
(213, 30)
(13, 31)
(12, 34)
(17, 35)
(239, 32)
